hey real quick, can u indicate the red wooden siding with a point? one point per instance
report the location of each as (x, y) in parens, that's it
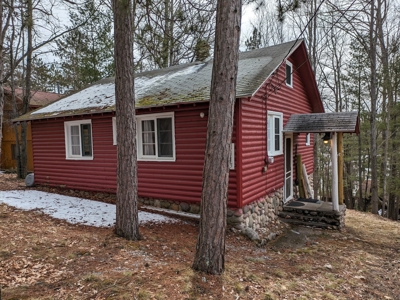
(52, 168)
(180, 180)
(257, 184)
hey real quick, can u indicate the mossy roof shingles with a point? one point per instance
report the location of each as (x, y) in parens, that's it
(178, 84)
(323, 122)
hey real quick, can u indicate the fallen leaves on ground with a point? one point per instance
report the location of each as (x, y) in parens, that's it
(45, 258)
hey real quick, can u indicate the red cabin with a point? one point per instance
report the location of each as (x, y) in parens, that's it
(74, 139)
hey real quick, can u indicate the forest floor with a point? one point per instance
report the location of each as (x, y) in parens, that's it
(46, 258)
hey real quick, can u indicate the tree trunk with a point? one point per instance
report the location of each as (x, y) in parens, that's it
(312, 53)
(15, 112)
(127, 222)
(171, 37)
(373, 126)
(349, 199)
(23, 157)
(210, 248)
(360, 163)
(393, 209)
(5, 17)
(387, 103)
(367, 190)
(316, 176)
(166, 37)
(3, 28)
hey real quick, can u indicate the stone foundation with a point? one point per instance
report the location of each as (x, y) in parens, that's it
(173, 205)
(258, 215)
(323, 217)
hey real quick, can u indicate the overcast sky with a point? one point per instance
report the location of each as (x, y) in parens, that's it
(61, 12)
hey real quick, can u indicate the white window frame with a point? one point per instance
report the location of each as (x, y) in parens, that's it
(114, 130)
(308, 139)
(139, 119)
(68, 146)
(288, 63)
(272, 115)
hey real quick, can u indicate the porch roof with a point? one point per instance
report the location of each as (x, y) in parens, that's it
(323, 122)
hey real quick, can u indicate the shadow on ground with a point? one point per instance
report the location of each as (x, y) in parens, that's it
(296, 237)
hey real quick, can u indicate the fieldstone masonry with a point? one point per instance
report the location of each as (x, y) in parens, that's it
(324, 217)
(260, 216)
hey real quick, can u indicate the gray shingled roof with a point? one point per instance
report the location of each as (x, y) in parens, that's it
(178, 84)
(323, 122)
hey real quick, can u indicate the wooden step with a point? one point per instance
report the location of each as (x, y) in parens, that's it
(311, 224)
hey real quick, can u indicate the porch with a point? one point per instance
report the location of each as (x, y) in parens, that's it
(313, 212)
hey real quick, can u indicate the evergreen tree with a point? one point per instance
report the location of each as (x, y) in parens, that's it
(254, 41)
(357, 152)
(86, 53)
(171, 32)
(44, 76)
(127, 220)
(210, 248)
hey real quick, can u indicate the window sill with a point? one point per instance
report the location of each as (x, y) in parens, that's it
(275, 153)
(156, 159)
(79, 158)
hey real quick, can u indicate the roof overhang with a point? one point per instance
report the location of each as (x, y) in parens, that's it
(323, 122)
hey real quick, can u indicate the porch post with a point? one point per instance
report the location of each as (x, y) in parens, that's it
(335, 186)
(340, 167)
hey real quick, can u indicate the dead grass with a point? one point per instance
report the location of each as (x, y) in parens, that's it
(44, 258)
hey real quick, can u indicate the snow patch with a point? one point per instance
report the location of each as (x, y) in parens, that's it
(103, 95)
(73, 210)
(98, 95)
(143, 84)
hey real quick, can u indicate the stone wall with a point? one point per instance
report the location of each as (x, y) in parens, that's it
(321, 218)
(257, 215)
(173, 205)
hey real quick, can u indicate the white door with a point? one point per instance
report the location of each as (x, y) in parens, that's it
(288, 189)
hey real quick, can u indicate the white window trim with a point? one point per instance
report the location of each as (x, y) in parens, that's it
(274, 114)
(308, 139)
(139, 119)
(288, 63)
(114, 129)
(67, 134)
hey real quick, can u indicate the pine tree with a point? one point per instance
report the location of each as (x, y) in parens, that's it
(254, 41)
(210, 248)
(127, 220)
(86, 53)
(171, 32)
(357, 153)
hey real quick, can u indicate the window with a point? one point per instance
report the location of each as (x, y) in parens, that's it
(114, 128)
(156, 137)
(274, 133)
(78, 139)
(308, 139)
(289, 76)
